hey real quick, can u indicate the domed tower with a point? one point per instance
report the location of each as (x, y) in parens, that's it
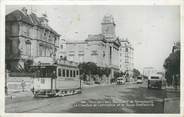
(108, 26)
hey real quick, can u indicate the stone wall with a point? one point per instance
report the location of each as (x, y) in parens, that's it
(14, 84)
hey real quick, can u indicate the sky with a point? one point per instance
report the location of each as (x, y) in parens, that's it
(152, 30)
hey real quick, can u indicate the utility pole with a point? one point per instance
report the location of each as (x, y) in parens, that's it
(6, 84)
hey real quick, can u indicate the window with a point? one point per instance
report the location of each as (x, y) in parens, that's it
(9, 48)
(77, 72)
(126, 60)
(42, 81)
(67, 73)
(103, 53)
(28, 48)
(74, 73)
(42, 50)
(126, 49)
(94, 52)
(70, 73)
(63, 72)
(59, 72)
(61, 46)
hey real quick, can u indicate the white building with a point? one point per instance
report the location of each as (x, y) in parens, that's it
(147, 71)
(102, 49)
(126, 63)
(61, 51)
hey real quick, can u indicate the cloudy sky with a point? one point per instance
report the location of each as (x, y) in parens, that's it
(151, 29)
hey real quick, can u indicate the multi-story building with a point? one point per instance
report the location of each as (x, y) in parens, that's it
(27, 37)
(61, 52)
(126, 51)
(102, 49)
(147, 71)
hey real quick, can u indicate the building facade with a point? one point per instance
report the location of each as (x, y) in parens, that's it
(126, 61)
(61, 52)
(102, 49)
(147, 71)
(27, 37)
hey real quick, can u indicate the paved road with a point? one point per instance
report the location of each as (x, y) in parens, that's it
(128, 98)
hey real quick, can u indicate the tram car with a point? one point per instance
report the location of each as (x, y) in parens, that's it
(56, 79)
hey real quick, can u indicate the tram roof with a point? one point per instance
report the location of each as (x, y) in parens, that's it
(53, 65)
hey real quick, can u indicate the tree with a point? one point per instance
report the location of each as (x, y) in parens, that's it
(107, 71)
(172, 67)
(91, 68)
(136, 73)
(88, 68)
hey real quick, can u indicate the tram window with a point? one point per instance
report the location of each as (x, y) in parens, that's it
(59, 72)
(67, 73)
(63, 72)
(70, 73)
(42, 81)
(74, 73)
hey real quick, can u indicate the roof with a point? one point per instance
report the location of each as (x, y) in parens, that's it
(76, 42)
(31, 19)
(97, 37)
(17, 15)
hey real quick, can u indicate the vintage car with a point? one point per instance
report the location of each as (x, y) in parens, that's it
(139, 80)
(121, 80)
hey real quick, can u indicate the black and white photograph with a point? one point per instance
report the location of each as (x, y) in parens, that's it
(121, 59)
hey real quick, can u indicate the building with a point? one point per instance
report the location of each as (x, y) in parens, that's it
(27, 37)
(126, 52)
(61, 52)
(147, 71)
(102, 49)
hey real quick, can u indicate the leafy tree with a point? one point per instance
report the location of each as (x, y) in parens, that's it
(136, 73)
(91, 68)
(106, 71)
(172, 67)
(88, 68)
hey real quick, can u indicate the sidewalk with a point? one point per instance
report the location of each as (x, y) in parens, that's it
(95, 85)
(172, 101)
(17, 94)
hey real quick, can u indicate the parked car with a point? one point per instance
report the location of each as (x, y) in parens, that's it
(139, 80)
(121, 80)
(97, 82)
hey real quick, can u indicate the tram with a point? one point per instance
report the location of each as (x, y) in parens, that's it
(56, 79)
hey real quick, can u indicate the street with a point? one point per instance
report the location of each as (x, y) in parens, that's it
(128, 98)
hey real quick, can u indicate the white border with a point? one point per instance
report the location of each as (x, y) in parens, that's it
(74, 2)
